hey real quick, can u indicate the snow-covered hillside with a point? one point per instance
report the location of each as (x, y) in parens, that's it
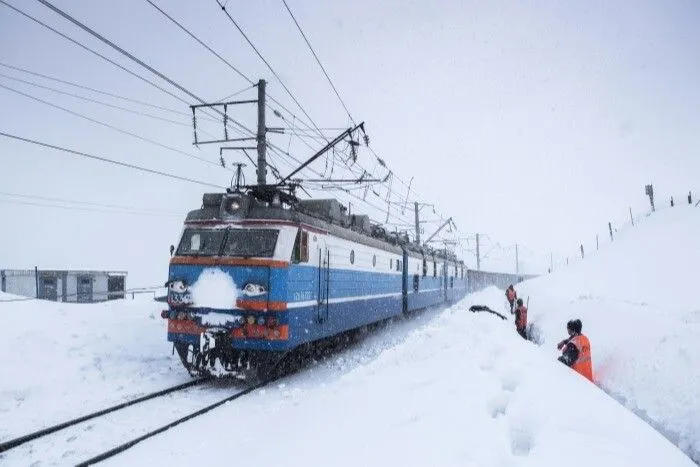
(445, 387)
(638, 300)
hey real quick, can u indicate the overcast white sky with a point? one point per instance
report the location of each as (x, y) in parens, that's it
(532, 122)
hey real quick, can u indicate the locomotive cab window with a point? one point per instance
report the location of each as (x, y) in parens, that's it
(301, 247)
(251, 243)
(201, 242)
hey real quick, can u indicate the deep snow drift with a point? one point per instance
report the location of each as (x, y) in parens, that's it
(462, 390)
(638, 300)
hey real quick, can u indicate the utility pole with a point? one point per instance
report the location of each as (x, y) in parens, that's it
(610, 229)
(631, 217)
(582, 255)
(415, 204)
(478, 254)
(262, 143)
(517, 266)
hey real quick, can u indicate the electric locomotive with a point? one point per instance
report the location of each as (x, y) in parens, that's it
(258, 272)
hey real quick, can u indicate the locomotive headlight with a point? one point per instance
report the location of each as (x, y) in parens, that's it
(253, 290)
(177, 286)
(233, 206)
(251, 319)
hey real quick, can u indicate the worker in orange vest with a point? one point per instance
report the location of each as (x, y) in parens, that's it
(521, 319)
(511, 295)
(576, 350)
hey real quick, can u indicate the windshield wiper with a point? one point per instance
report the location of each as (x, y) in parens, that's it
(265, 253)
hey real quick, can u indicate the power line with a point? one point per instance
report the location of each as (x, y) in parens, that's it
(80, 208)
(318, 61)
(226, 62)
(87, 88)
(107, 125)
(240, 73)
(89, 203)
(126, 54)
(110, 161)
(223, 8)
(95, 101)
(143, 64)
(136, 75)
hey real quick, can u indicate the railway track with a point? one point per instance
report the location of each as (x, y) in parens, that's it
(13, 443)
(116, 425)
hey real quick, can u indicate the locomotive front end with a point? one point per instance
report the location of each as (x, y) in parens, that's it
(227, 307)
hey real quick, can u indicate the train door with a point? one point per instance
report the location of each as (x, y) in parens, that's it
(323, 291)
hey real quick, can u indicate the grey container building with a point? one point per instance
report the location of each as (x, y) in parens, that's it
(64, 286)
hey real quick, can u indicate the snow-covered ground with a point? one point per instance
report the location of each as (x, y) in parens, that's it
(638, 301)
(62, 360)
(446, 387)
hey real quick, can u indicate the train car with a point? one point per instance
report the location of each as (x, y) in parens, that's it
(257, 274)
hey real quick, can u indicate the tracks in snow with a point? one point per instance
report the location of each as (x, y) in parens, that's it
(123, 425)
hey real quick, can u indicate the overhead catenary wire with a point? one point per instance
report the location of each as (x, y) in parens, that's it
(330, 81)
(132, 73)
(88, 88)
(220, 57)
(89, 203)
(127, 54)
(110, 126)
(109, 161)
(87, 29)
(94, 101)
(272, 70)
(223, 60)
(89, 209)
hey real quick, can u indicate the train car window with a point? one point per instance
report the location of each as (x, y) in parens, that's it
(300, 253)
(398, 264)
(452, 282)
(374, 260)
(415, 282)
(251, 243)
(425, 267)
(352, 256)
(304, 247)
(201, 242)
(434, 269)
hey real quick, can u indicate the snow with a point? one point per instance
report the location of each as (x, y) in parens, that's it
(214, 289)
(638, 303)
(444, 387)
(461, 390)
(62, 360)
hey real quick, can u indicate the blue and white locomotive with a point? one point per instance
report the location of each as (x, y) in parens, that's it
(257, 274)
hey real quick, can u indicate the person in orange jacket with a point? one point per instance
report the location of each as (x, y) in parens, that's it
(576, 350)
(511, 295)
(521, 319)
